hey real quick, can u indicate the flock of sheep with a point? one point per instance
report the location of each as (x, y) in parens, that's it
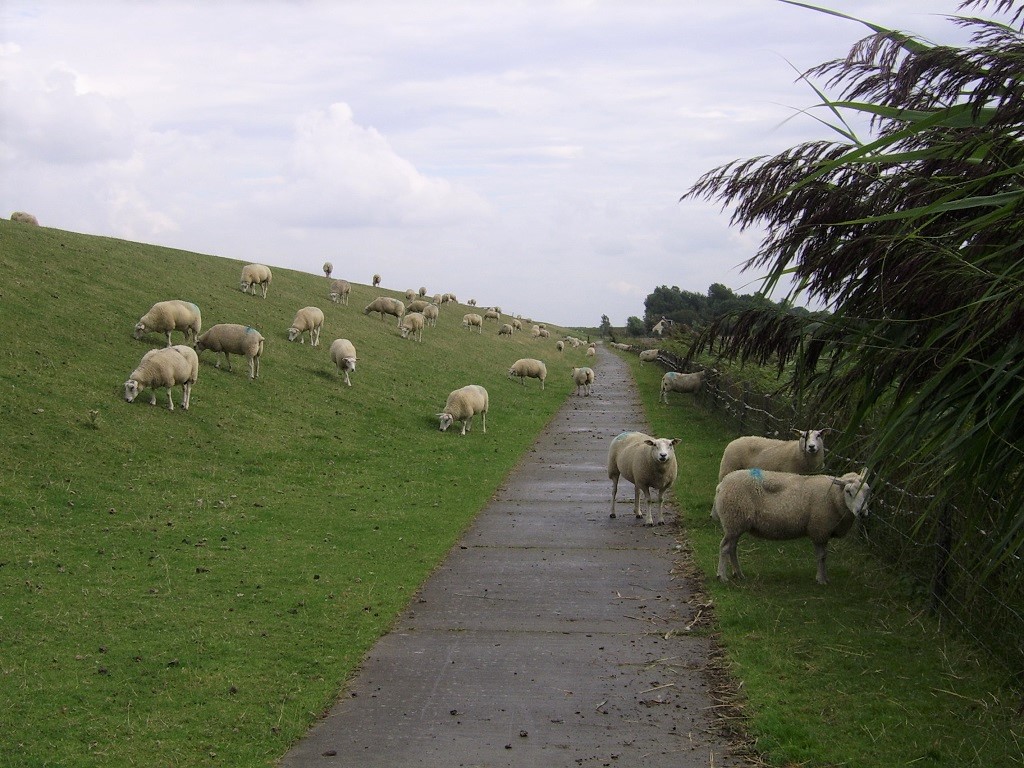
(766, 487)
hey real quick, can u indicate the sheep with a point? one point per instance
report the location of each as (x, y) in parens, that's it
(649, 356)
(782, 505)
(412, 325)
(505, 330)
(648, 463)
(167, 316)
(307, 319)
(328, 268)
(25, 218)
(386, 306)
(448, 297)
(687, 383)
(422, 291)
(591, 351)
(253, 275)
(343, 355)
(560, 346)
(544, 333)
(376, 280)
(232, 338)
(583, 377)
(438, 299)
(471, 302)
(430, 312)
(517, 324)
(410, 294)
(803, 456)
(492, 314)
(165, 367)
(462, 405)
(340, 291)
(417, 306)
(528, 367)
(472, 320)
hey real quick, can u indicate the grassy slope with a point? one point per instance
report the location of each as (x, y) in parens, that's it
(850, 674)
(190, 588)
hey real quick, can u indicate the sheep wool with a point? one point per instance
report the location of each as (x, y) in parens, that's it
(649, 356)
(803, 456)
(165, 367)
(411, 325)
(649, 463)
(430, 312)
(462, 405)
(505, 330)
(782, 505)
(386, 305)
(309, 319)
(174, 315)
(472, 320)
(254, 275)
(234, 339)
(25, 218)
(340, 291)
(687, 383)
(343, 355)
(528, 367)
(583, 378)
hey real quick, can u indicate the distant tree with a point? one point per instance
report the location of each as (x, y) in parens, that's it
(606, 326)
(635, 326)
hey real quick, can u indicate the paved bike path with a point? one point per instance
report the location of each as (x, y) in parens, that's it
(551, 635)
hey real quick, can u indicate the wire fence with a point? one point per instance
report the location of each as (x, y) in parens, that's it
(933, 554)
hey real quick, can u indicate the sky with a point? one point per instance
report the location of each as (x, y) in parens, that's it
(527, 154)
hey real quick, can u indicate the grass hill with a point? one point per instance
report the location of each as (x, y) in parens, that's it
(192, 587)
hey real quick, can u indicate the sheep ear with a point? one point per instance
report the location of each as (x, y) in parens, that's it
(676, 441)
(648, 441)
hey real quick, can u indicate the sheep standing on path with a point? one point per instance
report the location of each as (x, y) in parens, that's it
(307, 319)
(386, 306)
(528, 367)
(781, 506)
(648, 463)
(343, 355)
(687, 383)
(583, 378)
(803, 456)
(165, 367)
(255, 275)
(412, 325)
(234, 339)
(340, 291)
(173, 315)
(462, 405)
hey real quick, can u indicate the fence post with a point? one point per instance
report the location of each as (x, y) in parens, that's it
(940, 578)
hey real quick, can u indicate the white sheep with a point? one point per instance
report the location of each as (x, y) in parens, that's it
(560, 345)
(340, 291)
(471, 302)
(517, 324)
(430, 312)
(649, 463)
(234, 339)
(462, 405)
(528, 367)
(687, 383)
(505, 330)
(649, 356)
(343, 355)
(422, 291)
(472, 320)
(25, 218)
(165, 367)
(410, 294)
(328, 268)
(255, 275)
(781, 505)
(544, 333)
(386, 306)
(492, 314)
(376, 280)
(417, 305)
(438, 299)
(412, 325)
(803, 456)
(583, 378)
(167, 316)
(591, 351)
(307, 319)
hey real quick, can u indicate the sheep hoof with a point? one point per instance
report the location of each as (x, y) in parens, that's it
(612, 515)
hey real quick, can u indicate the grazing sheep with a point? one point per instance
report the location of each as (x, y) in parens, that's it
(505, 330)
(528, 367)
(410, 294)
(448, 297)
(422, 291)
(583, 377)
(517, 324)
(471, 302)
(492, 314)
(648, 463)
(25, 218)
(462, 405)
(591, 351)
(687, 383)
(328, 268)
(649, 356)
(417, 306)
(386, 306)
(340, 291)
(803, 456)
(167, 316)
(560, 346)
(472, 320)
(438, 299)
(412, 325)
(781, 505)
(234, 339)
(343, 355)
(430, 312)
(307, 319)
(544, 333)
(253, 275)
(376, 280)
(165, 367)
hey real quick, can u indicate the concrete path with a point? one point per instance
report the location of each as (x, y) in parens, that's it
(551, 636)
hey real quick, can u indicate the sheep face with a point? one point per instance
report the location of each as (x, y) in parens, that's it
(812, 442)
(140, 330)
(662, 446)
(294, 333)
(856, 493)
(446, 420)
(131, 390)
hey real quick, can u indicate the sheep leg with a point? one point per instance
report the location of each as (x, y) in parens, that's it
(170, 398)
(186, 394)
(467, 425)
(227, 359)
(727, 554)
(168, 338)
(254, 367)
(347, 380)
(821, 550)
(636, 501)
(615, 489)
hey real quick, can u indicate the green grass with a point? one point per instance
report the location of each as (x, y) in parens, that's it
(192, 588)
(850, 674)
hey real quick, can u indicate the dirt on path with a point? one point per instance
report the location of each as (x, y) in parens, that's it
(552, 635)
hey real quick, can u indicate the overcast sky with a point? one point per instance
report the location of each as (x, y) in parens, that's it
(526, 154)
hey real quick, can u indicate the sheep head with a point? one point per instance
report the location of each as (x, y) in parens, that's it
(446, 421)
(812, 441)
(662, 448)
(131, 390)
(856, 492)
